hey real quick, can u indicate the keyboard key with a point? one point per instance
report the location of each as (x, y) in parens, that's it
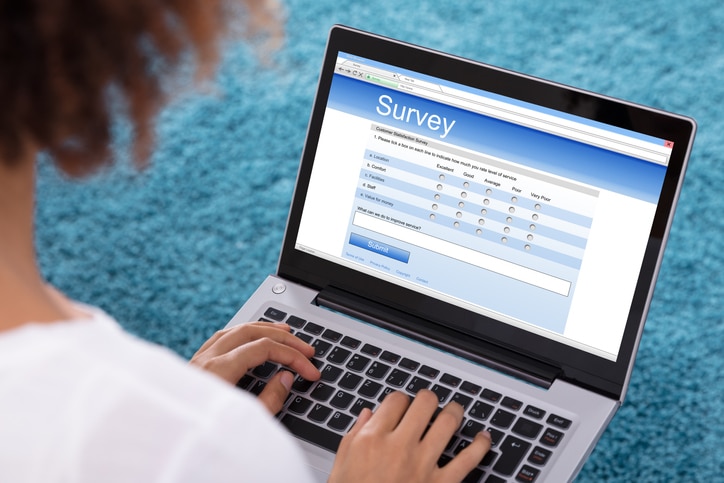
(301, 385)
(385, 392)
(496, 436)
(470, 388)
(474, 476)
(494, 479)
(428, 371)
(313, 328)
(371, 350)
(390, 357)
(527, 474)
(559, 421)
(312, 433)
(527, 428)
(360, 404)
(305, 337)
(551, 437)
(377, 370)
(265, 370)
(464, 443)
(299, 405)
(488, 460)
(539, 456)
(370, 389)
(462, 400)
(358, 363)
(350, 381)
(331, 373)
(502, 418)
(511, 403)
(258, 387)
(245, 381)
(322, 392)
(341, 400)
(450, 380)
(275, 314)
(417, 384)
(321, 348)
(332, 335)
(339, 421)
(397, 378)
(480, 410)
(296, 322)
(534, 412)
(409, 364)
(350, 342)
(338, 355)
(442, 393)
(513, 451)
(490, 395)
(319, 413)
(471, 428)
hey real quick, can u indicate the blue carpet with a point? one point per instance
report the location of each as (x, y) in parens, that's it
(173, 251)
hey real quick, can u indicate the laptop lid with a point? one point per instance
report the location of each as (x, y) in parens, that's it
(518, 220)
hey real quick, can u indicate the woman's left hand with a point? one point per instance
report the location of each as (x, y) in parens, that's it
(231, 352)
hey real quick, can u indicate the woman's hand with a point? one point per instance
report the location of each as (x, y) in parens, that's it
(231, 352)
(393, 445)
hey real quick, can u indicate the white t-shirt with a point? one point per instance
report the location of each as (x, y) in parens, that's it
(82, 401)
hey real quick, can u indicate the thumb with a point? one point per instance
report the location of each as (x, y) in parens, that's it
(276, 391)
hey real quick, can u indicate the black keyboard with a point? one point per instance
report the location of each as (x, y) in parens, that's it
(357, 375)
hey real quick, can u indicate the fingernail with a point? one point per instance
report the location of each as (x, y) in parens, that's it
(287, 379)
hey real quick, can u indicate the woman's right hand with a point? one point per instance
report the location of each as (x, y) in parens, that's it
(394, 443)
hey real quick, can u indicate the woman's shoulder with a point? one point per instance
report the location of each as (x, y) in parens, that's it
(120, 398)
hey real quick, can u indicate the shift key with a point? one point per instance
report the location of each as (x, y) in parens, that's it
(513, 451)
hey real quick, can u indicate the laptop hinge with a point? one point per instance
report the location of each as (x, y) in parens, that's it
(440, 337)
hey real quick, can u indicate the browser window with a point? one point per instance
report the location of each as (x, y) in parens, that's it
(507, 209)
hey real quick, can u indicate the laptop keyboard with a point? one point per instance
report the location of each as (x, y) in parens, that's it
(356, 375)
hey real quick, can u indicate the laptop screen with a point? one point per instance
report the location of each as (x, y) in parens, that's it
(531, 216)
(466, 204)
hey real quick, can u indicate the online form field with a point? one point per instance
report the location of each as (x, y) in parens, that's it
(464, 254)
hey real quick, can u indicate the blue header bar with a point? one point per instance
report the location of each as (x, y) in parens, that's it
(564, 157)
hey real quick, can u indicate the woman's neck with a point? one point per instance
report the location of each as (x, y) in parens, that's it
(24, 296)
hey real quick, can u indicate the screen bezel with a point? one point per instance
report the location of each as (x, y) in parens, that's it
(608, 377)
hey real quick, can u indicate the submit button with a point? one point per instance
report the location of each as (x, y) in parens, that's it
(379, 247)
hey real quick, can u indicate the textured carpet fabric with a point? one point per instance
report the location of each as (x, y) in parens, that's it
(173, 251)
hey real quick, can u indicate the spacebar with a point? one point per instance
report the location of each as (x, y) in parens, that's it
(312, 433)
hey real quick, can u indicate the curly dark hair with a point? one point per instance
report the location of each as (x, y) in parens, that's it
(65, 64)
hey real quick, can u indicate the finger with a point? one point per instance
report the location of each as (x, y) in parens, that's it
(209, 341)
(364, 416)
(234, 364)
(442, 429)
(229, 330)
(276, 391)
(388, 415)
(263, 350)
(237, 336)
(467, 459)
(418, 416)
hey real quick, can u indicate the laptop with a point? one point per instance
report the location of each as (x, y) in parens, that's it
(484, 234)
